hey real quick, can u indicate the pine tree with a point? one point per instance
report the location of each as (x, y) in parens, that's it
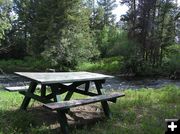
(5, 9)
(151, 24)
(107, 6)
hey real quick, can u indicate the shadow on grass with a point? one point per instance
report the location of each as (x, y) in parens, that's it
(39, 120)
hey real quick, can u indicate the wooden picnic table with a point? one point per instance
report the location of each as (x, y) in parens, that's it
(62, 82)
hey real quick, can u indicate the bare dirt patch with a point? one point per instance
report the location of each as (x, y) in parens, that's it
(78, 117)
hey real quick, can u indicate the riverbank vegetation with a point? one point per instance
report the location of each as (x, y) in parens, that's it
(140, 111)
(25, 64)
(106, 65)
(84, 35)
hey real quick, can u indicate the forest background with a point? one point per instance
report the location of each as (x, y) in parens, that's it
(85, 35)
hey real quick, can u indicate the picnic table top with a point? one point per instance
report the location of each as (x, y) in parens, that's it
(62, 77)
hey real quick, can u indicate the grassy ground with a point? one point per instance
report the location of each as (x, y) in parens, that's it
(139, 112)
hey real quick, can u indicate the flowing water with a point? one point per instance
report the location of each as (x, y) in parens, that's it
(137, 83)
(118, 83)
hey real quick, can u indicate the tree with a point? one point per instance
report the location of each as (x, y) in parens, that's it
(102, 21)
(107, 6)
(5, 10)
(177, 22)
(5, 26)
(57, 30)
(151, 23)
(75, 43)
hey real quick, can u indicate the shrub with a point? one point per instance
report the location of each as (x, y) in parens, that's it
(26, 64)
(110, 65)
(171, 60)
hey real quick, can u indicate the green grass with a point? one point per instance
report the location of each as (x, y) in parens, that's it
(140, 112)
(110, 65)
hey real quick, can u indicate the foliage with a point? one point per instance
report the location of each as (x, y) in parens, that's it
(67, 33)
(25, 64)
(127, 49)
(106, 38)
(106, 65)
(172, 59)
(96, 14)
(145, 109)
(151, 23)
(76, 43)
(59, 30)
(101, 13)
(6, 17)
(102, 23)
(107, 6)
(5, 8)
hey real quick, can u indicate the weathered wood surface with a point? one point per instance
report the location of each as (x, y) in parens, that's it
(16, 88)
(73, 103)
(19, 88)
(62, 77)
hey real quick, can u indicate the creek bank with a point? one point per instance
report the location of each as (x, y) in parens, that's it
(116, 83)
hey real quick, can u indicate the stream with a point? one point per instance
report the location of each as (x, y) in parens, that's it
(117, 83)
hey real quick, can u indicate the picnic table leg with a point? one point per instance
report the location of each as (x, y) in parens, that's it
(63, 121)
(27, 99)
(87, 85)
(54, 89)
(43, 90)
(104, 104)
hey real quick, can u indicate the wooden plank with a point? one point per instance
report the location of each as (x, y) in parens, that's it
(16, 88)
(19, 88)
(73, 103)
(77, 90)
(62, 77)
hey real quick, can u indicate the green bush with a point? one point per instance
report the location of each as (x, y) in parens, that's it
(128, 49)
(110, 65)
(26, 64)
(133, 62)
(171, 60)
(107, 38)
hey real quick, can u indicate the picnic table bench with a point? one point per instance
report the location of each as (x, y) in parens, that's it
(62, 82)
(73, 103)
(16, 88)
(23, 88)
